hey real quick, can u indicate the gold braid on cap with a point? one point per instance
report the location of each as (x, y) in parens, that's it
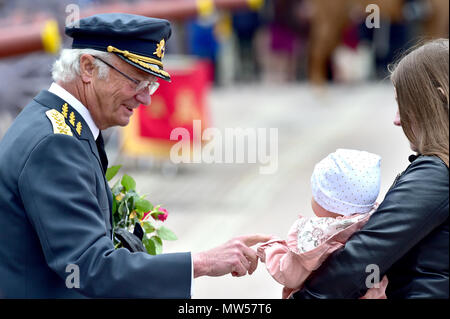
(141, 60)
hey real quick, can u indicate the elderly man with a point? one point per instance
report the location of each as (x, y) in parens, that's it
(55, 202)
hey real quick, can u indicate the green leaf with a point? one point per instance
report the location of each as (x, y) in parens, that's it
(148, 227)
(111, 172)
(166, 234)
(114, 206)
(128, 182)
(143, 205)
(149, 245)
(123, 209)
(158, 244)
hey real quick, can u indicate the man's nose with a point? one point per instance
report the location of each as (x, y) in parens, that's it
(143, 97)
(397, 121)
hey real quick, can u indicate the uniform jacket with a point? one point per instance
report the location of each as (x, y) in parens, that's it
(405, 239)
(55, 215)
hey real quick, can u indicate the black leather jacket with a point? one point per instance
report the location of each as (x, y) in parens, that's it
(406, 238)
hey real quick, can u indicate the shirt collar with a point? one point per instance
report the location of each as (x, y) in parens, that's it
(77, 105)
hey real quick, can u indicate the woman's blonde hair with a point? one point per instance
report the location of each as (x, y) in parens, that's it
(421, 80)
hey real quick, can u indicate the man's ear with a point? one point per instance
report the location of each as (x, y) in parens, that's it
(87, 68)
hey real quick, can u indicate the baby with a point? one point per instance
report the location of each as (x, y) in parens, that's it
(345, 186)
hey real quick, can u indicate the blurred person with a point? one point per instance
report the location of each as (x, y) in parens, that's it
(437, 20)
(54, 198)
(331, 19)
(281, 42)
(400, 21)
(245, 25)
(353, 60)
(202, 41)
(345, 186)
(406, 238)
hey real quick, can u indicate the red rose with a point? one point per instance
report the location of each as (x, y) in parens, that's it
(163, 217)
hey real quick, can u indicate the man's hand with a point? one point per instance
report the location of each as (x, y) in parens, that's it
(235, 256)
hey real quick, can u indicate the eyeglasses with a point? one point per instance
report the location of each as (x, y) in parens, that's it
(140, 85)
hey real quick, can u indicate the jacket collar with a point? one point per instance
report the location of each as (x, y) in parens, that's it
(413, 157)
(77, 105)
(72, 118)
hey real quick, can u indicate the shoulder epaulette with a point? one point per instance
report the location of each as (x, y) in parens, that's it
(58, 122)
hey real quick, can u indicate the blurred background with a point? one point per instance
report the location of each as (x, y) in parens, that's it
(313, 69)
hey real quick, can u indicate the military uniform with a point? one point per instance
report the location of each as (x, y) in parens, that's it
(55, 210)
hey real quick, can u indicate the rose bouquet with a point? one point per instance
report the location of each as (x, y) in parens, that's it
(137, 224)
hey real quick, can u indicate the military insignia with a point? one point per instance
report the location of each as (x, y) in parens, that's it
(65, 110)
(58, 122)
(79, 128)
(160, 49)
(72, 119)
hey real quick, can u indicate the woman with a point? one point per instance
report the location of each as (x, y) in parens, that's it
(407, 238)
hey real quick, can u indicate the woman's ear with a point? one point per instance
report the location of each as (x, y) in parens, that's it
(87, 68)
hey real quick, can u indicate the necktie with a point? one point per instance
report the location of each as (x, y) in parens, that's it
(101, 151)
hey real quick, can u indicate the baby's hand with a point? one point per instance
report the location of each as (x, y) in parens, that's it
(260, 248)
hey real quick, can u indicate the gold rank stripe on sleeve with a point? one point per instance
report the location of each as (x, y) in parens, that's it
(58, 122)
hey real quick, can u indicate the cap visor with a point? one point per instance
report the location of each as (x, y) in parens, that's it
(149, 71)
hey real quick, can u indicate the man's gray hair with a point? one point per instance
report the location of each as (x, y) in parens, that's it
(67, 67)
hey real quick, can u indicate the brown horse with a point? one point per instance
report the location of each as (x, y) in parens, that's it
(330, 17)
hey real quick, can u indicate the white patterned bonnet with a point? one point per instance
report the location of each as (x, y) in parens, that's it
(347, 181)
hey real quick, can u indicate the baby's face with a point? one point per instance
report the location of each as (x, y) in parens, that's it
(319, 211)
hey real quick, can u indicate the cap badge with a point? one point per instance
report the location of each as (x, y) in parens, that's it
(160, 49)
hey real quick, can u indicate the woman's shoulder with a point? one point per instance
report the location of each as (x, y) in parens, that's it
(425, 182)
(424, 169)
(428, 161)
